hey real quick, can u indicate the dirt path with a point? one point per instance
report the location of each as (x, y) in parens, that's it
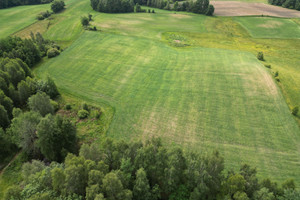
(236, 8)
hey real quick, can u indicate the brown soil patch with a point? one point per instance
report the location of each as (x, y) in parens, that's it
(66, 113)
(235, 8)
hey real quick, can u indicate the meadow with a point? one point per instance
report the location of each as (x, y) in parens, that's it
(200, 98)
(268, 27)
(192, 80)
(14, 19)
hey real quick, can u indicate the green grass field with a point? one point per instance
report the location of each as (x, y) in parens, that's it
(190, 79)
(17, 18)
(199, 98)
(268, 27)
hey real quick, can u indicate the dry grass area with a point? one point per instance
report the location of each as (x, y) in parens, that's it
(271, 24)
(236, 8)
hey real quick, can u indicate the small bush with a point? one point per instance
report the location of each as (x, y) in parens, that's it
(92, 28)
(260, 56)
(149, 11)
(52, 52)
(153, 11)
(45, 14)
(57, 6)
(90, 17)
(40, 17)
(295, 110)
(82, 114)
(85, 107)
(277, 79)
(98, 114)
(54, 105)
(276, 74)
(56, 46)
(85, 21)
(268, 66)
(68, 107)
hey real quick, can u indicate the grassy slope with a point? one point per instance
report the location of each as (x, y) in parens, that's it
(198, 98)
(282, 54)
(273, 152)
(16, 18)
(266, 27)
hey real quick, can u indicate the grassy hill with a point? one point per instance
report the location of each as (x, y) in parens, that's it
(190, 79)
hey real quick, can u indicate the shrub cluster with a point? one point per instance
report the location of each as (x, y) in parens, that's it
(52, 52)
(260, 56)
(83, 114)
(29, 51)
(268, 66)
(43, 15)
(57, 6)
(68, 106)
(295, 110)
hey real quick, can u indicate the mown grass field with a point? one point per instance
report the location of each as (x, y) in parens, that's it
(190, 79)
(268, 27)
(14, 19)
(202, 99)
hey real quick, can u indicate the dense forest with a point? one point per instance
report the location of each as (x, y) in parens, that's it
(117, 170)
(12, 3)
(123, 6)
(292, 4)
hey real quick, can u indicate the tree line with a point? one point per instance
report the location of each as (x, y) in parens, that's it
(292, 4)
(20, 92)
(113, 6)
(123, 6)
(118, 170)
(12, 3)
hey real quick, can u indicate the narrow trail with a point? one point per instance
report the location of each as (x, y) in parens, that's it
(12, 160)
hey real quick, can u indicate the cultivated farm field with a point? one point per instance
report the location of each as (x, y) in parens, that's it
(192, 80)
(252, 8)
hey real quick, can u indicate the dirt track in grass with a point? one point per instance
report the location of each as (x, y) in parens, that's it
(235, 8)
